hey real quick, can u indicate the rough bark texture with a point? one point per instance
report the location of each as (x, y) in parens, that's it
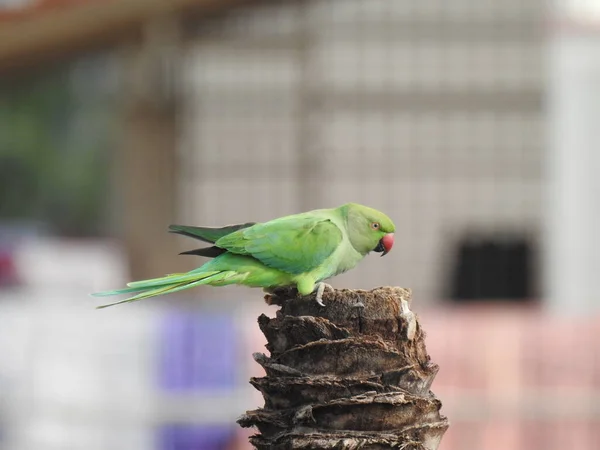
(354, 374)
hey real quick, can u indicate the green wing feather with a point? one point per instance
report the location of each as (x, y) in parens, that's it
(207, 234)
(294, 244)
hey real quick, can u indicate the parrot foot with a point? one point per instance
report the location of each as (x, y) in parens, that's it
(320, 290)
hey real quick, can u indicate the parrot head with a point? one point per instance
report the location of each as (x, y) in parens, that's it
(369, 230)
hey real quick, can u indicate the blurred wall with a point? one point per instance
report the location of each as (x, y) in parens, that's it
(572, 215)
(428, 110)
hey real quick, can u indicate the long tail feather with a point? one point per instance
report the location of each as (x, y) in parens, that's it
(147, 294)
(170, 284)
(170, 279)
(116, 292)
(138, 286)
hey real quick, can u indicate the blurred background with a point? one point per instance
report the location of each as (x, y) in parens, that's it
(474, 124)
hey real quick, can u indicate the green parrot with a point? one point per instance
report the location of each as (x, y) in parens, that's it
(300, 250)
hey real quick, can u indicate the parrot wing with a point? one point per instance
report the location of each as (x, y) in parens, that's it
(295, 244)
(207, 234)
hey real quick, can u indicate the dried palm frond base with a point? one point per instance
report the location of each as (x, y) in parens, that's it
(354, 374)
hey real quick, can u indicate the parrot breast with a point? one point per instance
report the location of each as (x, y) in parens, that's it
(343, 259)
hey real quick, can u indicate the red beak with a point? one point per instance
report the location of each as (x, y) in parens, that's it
(387, 243)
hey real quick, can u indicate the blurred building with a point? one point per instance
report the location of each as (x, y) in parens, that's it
(430, 112)
(472, 124)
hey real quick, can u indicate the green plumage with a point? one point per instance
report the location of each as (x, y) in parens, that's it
(207, 234)
(299, 250)
(295, 244)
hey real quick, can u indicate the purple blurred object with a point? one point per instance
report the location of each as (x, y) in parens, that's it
(198, 352)
(195, 437)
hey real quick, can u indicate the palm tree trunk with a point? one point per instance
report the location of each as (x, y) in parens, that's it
(354, 374)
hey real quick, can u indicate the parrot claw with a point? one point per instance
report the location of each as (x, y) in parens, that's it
(320, 290)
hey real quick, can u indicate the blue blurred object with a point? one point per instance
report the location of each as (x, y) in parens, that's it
(198, 352)
(195, 437)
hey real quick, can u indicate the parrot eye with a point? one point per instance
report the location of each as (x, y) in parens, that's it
(375, 226)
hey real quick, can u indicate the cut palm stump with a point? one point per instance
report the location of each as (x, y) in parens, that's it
(354, 374)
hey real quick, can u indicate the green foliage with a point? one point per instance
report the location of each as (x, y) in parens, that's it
(54, 155)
